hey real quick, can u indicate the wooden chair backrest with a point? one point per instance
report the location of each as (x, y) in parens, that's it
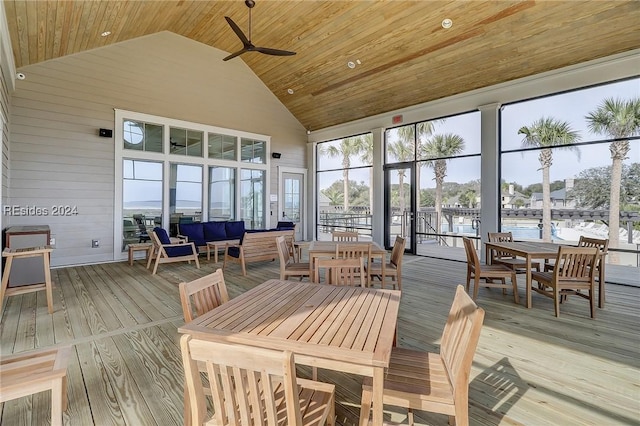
(284, 252)
(460, 339)
(208, 292)
(243, 381)
(575, 264)
(397, 252)
(601, 245)
(472, 256)
(344, 236)
(340, 271)
(353, 251)
(157, 245)
(500, 237)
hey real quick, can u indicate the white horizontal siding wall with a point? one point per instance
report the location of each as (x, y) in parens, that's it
(57, 157)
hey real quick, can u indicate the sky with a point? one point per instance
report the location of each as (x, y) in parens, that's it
(523, 168)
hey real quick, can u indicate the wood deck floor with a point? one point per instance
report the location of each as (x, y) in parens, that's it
(530, 368)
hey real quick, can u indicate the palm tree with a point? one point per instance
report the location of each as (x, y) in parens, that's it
(546, 133)
(438, 148)
(367, 158)
(347, 148)
(618, 119)
(408, 134)
(402, 151)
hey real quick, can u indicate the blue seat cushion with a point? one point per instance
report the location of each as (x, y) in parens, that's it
(235, 229)
(162, 235)
(182, 250)
(214, 231)
(285, 226)
(234, 252)
(194, 232)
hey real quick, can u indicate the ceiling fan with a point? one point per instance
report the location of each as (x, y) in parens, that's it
(247, 45)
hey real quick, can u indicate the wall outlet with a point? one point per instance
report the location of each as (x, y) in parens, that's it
(95, 243)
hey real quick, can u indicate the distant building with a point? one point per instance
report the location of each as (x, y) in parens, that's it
(559, 198)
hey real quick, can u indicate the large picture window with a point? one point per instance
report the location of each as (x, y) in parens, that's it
(166, 176)
(344, 185)
(570, 167)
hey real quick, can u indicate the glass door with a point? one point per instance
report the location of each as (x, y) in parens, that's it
(292, 193)
(400, 205)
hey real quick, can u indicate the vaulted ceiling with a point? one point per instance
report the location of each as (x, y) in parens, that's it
(402, 54)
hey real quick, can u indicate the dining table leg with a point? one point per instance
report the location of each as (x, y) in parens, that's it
(378, 390)
(528, 288)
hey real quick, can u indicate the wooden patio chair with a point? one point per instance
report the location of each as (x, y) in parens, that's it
(288, 266)
(393, 269)
(208, 292)
(36, 371)
(340, 271)
(251, 385)
(356, 251)
(574, 271)
(344, 236)
(166, 251)
(477, 272)
(435, 382)
(502, 258)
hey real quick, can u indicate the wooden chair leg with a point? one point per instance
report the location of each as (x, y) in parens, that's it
(187, 407)
(476, 285)
(514, 282)
(556, 301)
(365, 406)
(56, 403)
(592, 302)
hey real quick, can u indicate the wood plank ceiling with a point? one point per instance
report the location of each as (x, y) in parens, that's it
(406, 56)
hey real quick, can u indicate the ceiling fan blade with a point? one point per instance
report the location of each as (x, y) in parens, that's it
(275, 52)
(233, 55)
(236, 29)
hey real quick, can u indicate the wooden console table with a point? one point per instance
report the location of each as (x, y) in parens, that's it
(10, 254)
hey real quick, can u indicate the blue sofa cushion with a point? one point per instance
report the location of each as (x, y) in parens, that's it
(183, 250)
(214, 231)
(235, 229)
(194, 232)
(285, 226)
(233, 251)
(162, 235)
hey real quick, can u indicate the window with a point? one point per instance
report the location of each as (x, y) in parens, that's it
(141, 199)
(141, 136)
(561, 155)
(185, 195)
(222, 147)
(253, 151)
(446, 153)
(222, 190)
(166, 187)
(252, 184)
(185, 142)
(344, 185)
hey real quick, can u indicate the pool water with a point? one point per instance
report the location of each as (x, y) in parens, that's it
(519, 233)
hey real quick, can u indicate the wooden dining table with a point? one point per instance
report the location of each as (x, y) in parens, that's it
(328, 248)
(528, 250)
(348, 329)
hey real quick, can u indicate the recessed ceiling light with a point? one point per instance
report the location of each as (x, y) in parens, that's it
(447, 23)
(290, 91)
(106, 33)
(351, 64)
